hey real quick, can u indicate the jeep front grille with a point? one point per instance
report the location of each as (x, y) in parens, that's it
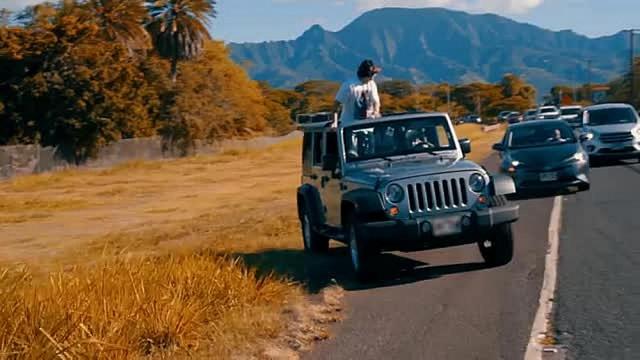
(437, 195)
(616, 137)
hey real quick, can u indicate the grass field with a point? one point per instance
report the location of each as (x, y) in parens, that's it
(191, 257)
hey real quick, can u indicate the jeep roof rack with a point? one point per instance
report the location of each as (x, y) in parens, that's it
(313, 118)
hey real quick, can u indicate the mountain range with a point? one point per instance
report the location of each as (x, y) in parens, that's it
(437, 45)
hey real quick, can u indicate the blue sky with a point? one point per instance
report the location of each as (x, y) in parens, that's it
(259, 20)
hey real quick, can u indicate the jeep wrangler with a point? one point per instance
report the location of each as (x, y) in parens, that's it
(399, 183)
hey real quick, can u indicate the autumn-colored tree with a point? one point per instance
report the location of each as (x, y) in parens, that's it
(397, 88)
(79, 91)
(317, 95)
(178, 28)
(213, 98)
(120, 21)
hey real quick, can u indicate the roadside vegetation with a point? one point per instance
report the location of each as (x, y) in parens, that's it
(198, 256)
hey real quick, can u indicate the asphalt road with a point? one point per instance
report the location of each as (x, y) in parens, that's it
(598, 294)
(445, 304)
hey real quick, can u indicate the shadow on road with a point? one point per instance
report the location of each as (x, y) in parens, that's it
(319, 271)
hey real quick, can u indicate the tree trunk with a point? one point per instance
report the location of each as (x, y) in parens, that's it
(174, 69)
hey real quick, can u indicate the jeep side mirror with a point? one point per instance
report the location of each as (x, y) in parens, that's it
(329, 162)
(465, 146)
(498, 147)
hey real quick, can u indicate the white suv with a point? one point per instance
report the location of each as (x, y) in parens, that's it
(610, 132)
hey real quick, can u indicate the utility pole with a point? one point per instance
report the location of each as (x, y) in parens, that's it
(589, 79)
(448, 99)
(631, 72)
(632, 75)
(560, 97)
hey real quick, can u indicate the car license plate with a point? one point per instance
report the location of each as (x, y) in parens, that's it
(446, 226)
(548, 176)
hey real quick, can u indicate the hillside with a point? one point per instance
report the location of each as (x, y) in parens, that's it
(437, 45)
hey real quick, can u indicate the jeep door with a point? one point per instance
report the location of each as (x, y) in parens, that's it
(330, 180)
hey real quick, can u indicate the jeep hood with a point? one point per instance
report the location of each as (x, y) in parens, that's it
(386, 171)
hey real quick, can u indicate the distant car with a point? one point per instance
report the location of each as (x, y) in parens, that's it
(502, 116)
(610, 132)
(544, 156)
(548, 112)
(471, 118)
(514, 117)
(570, 114)
(530, 114)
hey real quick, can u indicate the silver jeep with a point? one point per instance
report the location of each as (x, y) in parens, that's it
(399, 183)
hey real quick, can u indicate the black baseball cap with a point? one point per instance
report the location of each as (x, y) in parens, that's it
(367, 69)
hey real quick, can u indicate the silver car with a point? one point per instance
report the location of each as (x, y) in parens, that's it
(547, 112)
(610, 132)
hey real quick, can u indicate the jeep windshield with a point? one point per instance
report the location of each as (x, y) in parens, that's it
(385, 139)
(611, 116)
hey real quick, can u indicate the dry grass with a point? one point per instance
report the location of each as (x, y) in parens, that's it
(125, 309)
(143, 259)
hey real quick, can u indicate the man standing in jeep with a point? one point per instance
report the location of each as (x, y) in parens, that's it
(359, 97)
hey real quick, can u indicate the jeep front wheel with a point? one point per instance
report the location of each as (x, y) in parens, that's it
(497, 247)
(313, 242)
(361, 254)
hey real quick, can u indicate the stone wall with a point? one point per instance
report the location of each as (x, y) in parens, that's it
(18, 160)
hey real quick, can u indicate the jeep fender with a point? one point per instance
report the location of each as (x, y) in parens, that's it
(309, 197)
(366, 203)
(502, 185)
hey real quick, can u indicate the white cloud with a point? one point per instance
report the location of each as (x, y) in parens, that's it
(15, 5)
(498, 6)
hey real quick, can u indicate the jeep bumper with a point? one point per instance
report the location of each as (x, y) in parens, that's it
(417, 234)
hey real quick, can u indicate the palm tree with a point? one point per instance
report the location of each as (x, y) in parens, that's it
(121, 21)
(178, 28)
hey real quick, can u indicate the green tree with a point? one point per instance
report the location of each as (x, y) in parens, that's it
(178, 28)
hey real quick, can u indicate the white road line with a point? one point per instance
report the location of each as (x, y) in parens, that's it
(545, 303)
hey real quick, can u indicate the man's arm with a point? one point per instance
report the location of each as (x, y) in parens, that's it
(376, 99)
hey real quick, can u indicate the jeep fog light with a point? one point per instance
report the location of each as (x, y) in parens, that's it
(394, 211)
(394, 193)
(477, 183)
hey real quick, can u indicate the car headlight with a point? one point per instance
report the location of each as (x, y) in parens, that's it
(394, 193)
(515, 163)
(477, 183)
(637, 131)
(579, 157)
(587, 136)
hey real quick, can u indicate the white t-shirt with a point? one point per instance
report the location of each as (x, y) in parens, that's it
(359, 100)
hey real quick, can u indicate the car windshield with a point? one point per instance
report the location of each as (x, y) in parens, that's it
(398, 137)
(531, 112)
(570, 111)
(545, 110)
(540, 135)
(611, 116)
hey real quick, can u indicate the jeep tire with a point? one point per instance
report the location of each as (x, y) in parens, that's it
(497, 247)
(313, 242)
(361, 255)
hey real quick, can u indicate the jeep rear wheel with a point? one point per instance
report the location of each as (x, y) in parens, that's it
(361, 254)
(497, 248)
(313, 242)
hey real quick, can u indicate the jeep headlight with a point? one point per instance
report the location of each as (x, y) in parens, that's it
(394, 193)
(477, 183)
